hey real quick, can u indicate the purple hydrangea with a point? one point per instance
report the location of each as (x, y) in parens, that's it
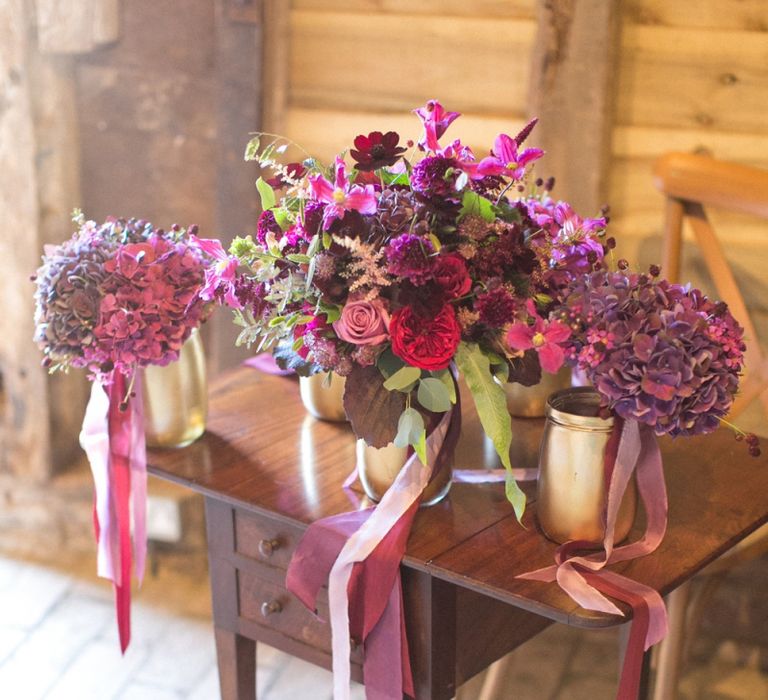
(658, 353)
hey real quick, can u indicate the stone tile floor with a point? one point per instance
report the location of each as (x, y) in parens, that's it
(58, 642)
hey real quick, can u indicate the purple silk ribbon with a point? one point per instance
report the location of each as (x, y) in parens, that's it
(584, 578)
(113, 439)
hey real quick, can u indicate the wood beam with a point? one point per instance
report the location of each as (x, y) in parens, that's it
(572, 92)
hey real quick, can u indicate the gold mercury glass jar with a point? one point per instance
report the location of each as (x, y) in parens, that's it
(379, 467)
(176, 398)
(571, 486)
(322, 399)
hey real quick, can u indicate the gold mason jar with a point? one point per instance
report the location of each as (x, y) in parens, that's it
(571, 486)
(176, 398)
(531, 401)
(323, 400)
(379, 467)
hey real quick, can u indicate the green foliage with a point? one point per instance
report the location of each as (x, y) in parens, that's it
(491, 403)
(472, 204)
(434, 395)
(403, 380)
(266, 193)
(252, 149)
(411, 431)
(388, 363)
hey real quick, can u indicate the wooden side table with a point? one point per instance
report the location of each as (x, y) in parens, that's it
(267, 470)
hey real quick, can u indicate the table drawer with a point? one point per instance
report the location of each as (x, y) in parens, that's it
(265, 601)
(264, 539)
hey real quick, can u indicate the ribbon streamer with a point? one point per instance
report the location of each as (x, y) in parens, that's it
(359, 555)
(584, 579)
(112, 437)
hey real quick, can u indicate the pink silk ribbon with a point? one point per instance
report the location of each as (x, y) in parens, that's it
(583, 577)
(113, 440)
(359, 555)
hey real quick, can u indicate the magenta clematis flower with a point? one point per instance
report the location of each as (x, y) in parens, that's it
(436, 120)
(219, 278)
(342, 197)
(505, 160)
(544, 337)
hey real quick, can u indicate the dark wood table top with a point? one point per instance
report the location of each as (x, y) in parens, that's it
(263, 452)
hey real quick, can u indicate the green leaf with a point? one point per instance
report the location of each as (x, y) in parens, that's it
(472, 204)
(501, 372)
(326, 240)
(410, 428)
(252, 149)
(266, 193)
(298, 258)
(491, 403)
(420, 447)
(298, 344)
(433, 395)
(394, 178)
(445, 376)
(282, 216)
(435, 242)
(403, 378)
(388, 363)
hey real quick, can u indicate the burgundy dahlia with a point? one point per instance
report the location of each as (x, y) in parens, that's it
(496, 307)
(435, 176)
(266, 224)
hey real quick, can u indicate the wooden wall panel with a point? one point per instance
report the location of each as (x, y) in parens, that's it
(750, 15)
(521, 9)
(24, 430)
(390, 62)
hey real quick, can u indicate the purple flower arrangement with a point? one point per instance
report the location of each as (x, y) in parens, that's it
(118, 296)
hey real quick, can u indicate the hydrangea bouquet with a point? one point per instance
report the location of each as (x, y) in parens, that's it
(114, 298)
(403, 264)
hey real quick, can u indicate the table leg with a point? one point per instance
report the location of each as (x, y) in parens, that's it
(236, 656)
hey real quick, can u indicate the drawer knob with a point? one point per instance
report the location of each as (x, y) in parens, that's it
(271, 607)
(267, 547)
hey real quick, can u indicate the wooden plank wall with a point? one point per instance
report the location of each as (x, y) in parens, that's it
(692, 80)
(355, 67)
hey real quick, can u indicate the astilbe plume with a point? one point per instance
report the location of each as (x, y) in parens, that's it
(658, 353)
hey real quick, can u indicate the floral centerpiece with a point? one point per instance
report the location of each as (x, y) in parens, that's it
(114, 298)
(406, 264)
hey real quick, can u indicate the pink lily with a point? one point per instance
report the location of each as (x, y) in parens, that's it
(436, 120)
(505, 160)
(220, 276)
(342, 197)
(543, 336)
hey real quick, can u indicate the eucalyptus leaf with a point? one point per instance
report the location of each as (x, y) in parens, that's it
(409, 428)
(420, 447)
(444, 375)
(491, 403)
(266, 193)
(403, 378)
(389, 363)
(433, 395)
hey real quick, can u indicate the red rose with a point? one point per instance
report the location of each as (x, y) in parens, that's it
(450, 272)
(423, 342)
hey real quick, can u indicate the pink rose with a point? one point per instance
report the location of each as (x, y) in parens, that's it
(363, 322)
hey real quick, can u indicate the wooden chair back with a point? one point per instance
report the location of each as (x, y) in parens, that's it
(691, 182)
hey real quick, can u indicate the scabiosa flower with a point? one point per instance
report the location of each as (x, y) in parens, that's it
(376, 150)
(267, 224)
(435, 177)
(496, 307)
(409, 256)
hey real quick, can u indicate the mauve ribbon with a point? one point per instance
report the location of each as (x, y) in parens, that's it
(113, 440)
(264, 362)
(584, 579)
(359, 554)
